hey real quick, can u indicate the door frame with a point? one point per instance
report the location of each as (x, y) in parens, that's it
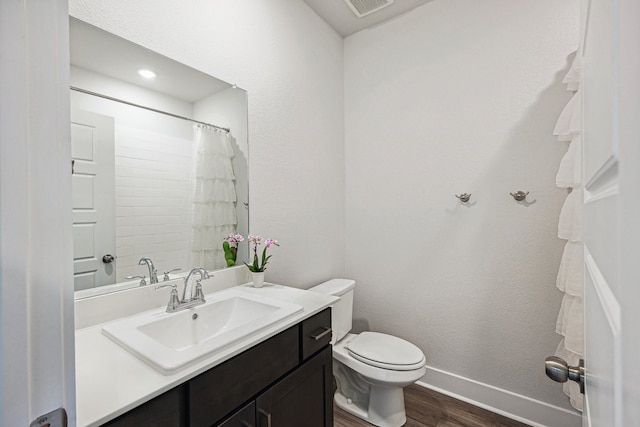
(36, 306)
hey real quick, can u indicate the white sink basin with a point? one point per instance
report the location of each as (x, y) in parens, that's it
(171, 341)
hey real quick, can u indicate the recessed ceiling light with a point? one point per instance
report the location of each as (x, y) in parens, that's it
(146, 73)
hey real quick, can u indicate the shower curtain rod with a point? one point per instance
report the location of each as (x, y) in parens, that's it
(110, 98)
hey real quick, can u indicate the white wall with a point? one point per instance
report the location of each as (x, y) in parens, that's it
(460, 96)
(290, 62)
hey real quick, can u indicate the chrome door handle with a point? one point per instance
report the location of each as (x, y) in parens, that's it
(558, 370)
(266, 415)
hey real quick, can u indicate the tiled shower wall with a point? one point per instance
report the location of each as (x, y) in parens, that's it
(152, 200)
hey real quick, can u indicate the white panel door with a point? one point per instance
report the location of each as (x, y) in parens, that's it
(93, 184)
(628, 146)
(611, 211)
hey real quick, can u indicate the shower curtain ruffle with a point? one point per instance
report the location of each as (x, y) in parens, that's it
(569, 224)
(570, 171)
(574, 75)
(214, 189)
(213, 212)
(206, 215)
(569, 124)
(569, 279)
(570, 322)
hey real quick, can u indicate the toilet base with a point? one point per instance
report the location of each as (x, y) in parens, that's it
(386, 406)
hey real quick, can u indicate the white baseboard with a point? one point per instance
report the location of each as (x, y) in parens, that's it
(515, 406)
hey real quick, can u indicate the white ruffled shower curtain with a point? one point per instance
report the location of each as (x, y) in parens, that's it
(213, 206)
(570, 323)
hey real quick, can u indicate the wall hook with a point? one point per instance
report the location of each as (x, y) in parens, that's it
(519, 195)
(464, 197)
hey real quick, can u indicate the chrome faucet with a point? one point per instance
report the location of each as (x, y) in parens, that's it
(187, 301)
(188, 291)
(153, 273)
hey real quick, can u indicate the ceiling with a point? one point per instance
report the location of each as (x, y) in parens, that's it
(340, 17)
(104, 53)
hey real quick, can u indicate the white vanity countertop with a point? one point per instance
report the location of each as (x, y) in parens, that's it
(111, 381)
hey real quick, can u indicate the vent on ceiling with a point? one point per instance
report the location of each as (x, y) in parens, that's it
(365, 7)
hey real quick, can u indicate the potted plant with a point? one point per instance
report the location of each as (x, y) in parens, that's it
(230, 247)
(259, 264)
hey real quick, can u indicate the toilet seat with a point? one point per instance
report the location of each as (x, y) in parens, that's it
(385, 351)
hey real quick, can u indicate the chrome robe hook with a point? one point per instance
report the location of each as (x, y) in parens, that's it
(519, 195)
(464, 197)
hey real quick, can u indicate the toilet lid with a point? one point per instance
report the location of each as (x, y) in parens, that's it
(385, 351)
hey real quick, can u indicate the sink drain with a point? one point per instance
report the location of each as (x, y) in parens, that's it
(195, 316)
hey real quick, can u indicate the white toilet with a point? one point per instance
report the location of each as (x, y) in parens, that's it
(370, 368)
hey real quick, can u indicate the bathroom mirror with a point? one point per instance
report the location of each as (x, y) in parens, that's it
(160, 165)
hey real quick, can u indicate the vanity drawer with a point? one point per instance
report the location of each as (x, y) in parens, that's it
(218, 392)
(315, 333)
(168, 409)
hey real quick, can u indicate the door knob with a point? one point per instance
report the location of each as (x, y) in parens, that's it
(558, 370)
(108, 258)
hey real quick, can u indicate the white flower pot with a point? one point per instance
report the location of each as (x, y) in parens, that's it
(258, 279)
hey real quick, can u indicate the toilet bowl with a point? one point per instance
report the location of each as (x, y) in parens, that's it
(370, 368)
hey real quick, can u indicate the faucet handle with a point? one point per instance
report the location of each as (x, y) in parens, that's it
(166, 274)
(174, 301)
(199, 294)
(143, 282)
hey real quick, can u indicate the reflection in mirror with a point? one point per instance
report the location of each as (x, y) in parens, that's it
(159, 164)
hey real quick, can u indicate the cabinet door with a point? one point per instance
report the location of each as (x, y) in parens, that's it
(216, 393)
(304, 398)
(245, 417)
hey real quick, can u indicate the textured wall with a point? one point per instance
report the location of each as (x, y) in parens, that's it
(291, 64)
(460, 96)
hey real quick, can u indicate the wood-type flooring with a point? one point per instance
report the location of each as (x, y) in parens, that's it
(427, 408)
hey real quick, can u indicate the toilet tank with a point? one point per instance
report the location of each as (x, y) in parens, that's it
(342, 310)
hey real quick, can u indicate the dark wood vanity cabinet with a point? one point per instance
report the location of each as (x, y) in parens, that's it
(304, 398)
(168, 409)
(285, 381)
